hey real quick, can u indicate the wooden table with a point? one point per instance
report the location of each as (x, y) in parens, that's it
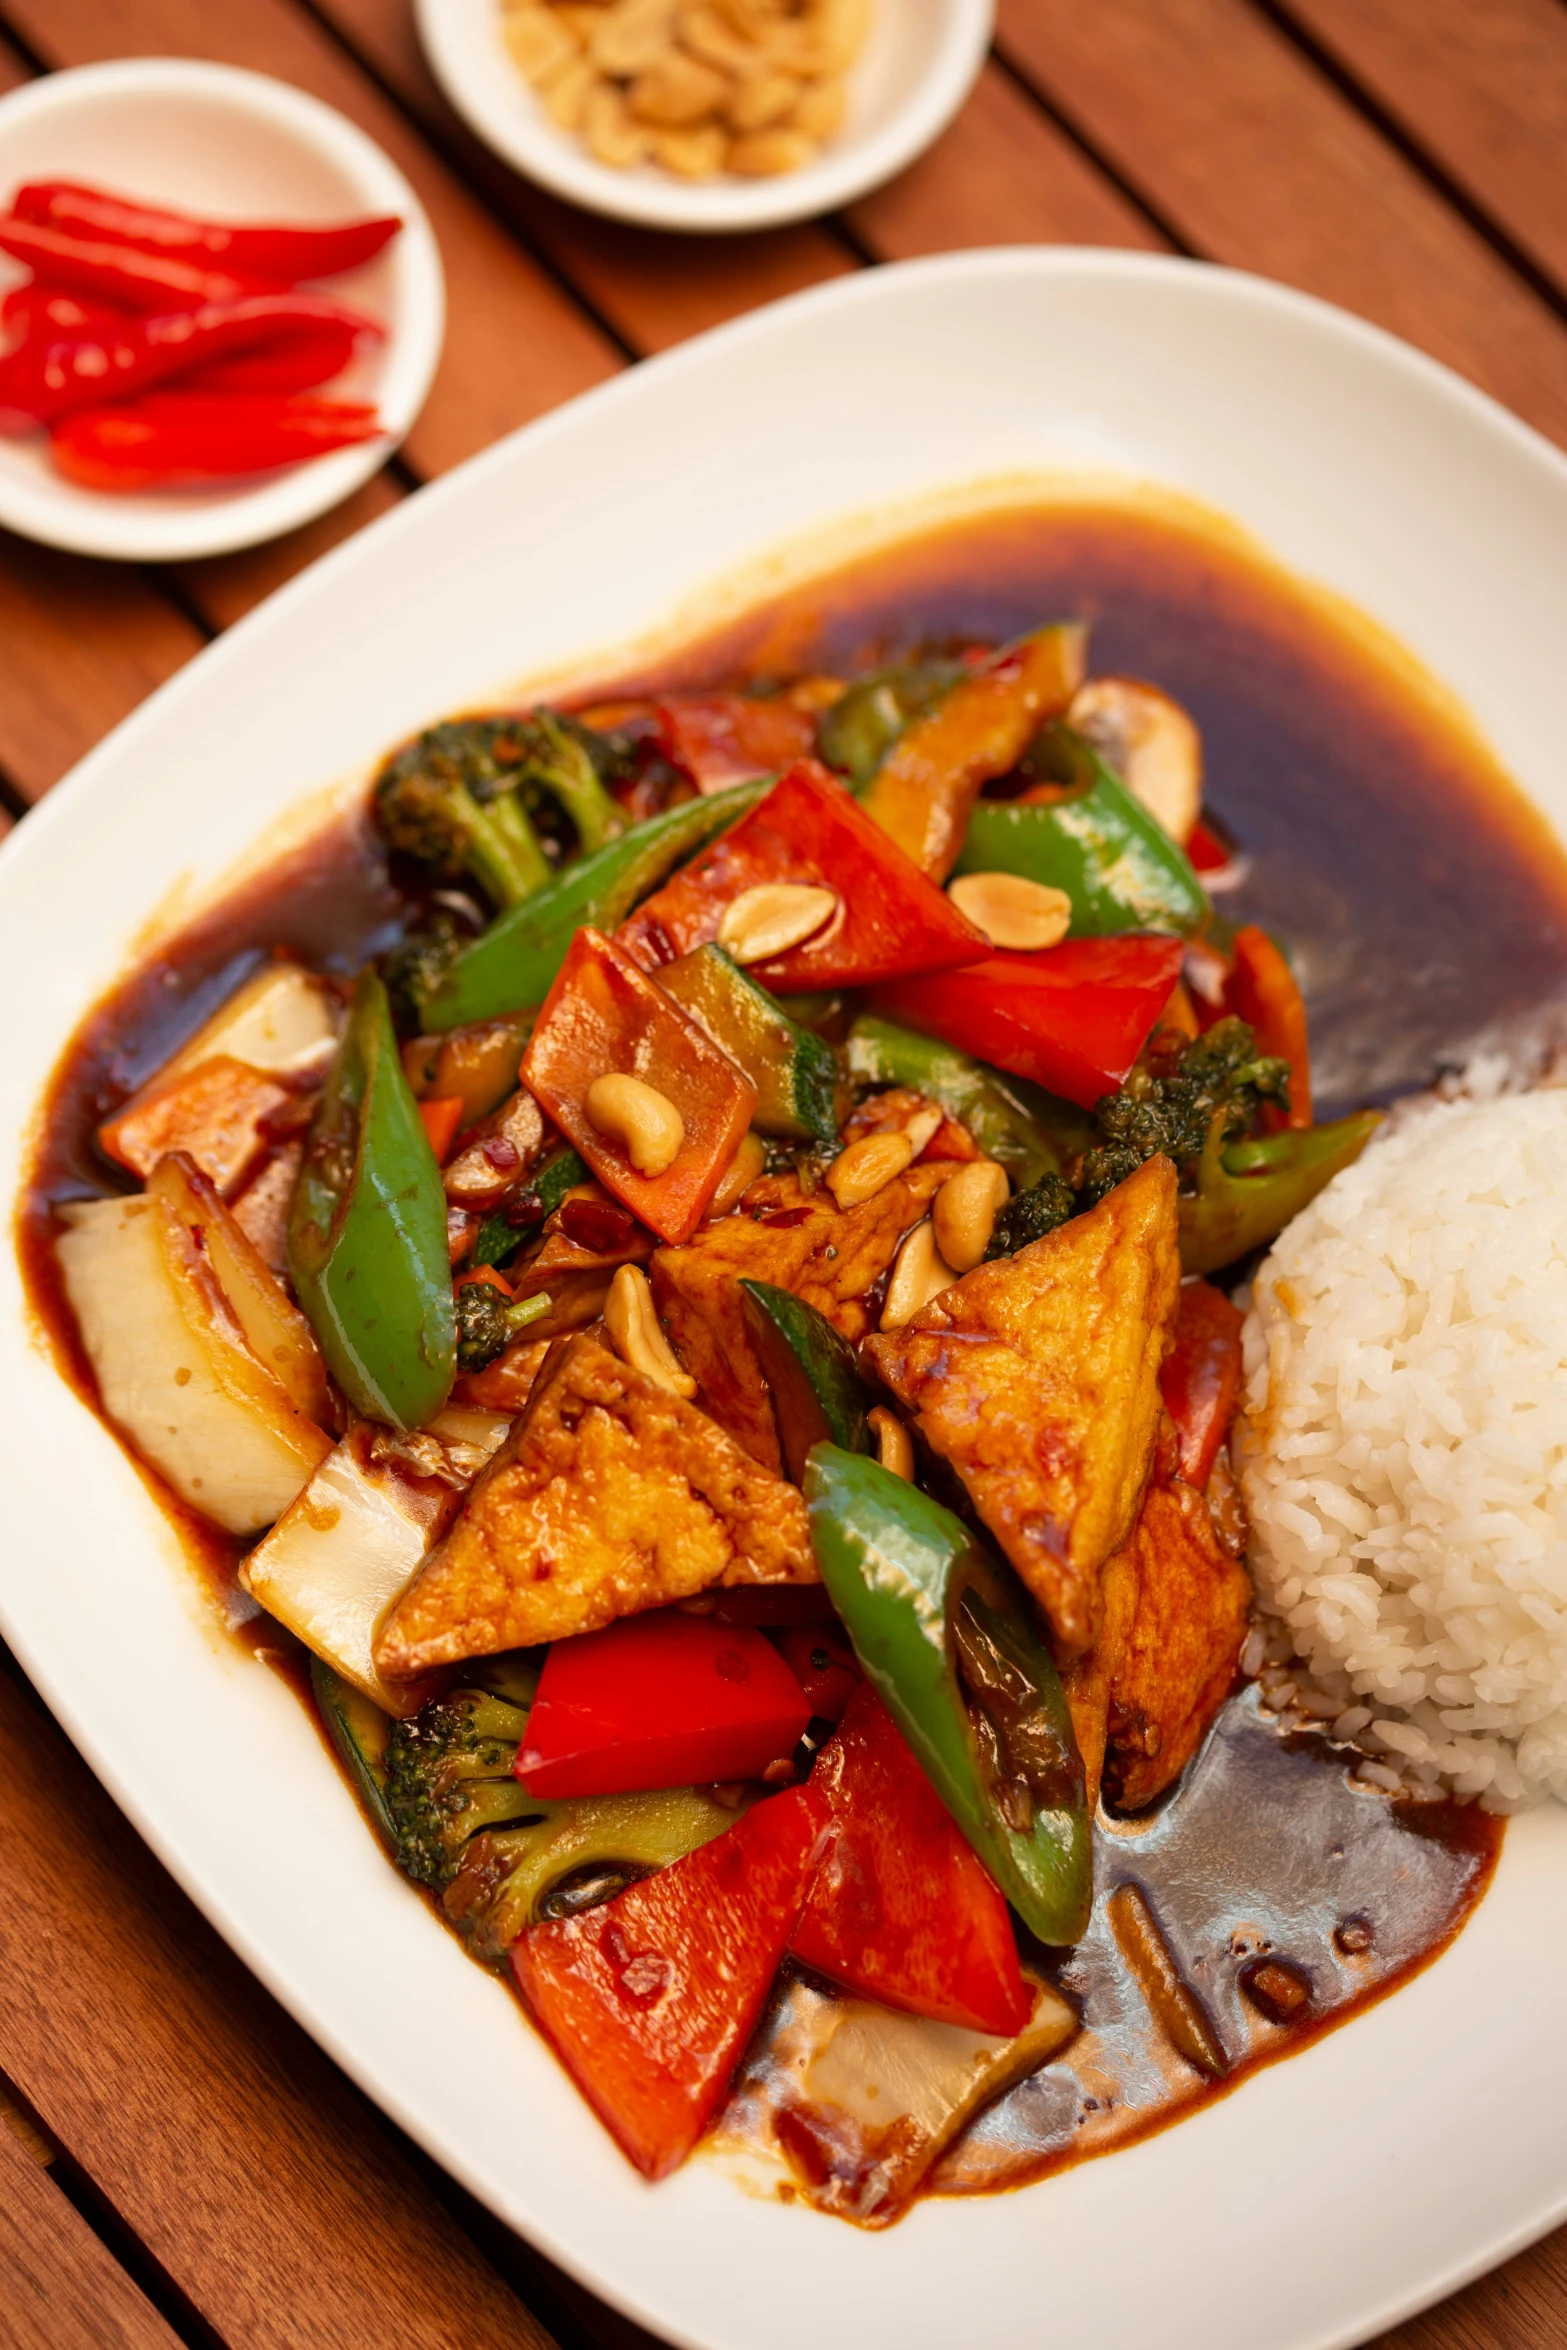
(181, 2163)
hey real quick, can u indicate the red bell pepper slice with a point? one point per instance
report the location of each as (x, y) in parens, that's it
(890, 919)
(1073, 1018)
(649, 2000)
(602, 1015)
(825, 1666)
(902, 1909)
(719, 739)
(661, 1700)
(1263, 993)
(191, 436)
(1206, 851)
(1201, 1376)
(258, 250)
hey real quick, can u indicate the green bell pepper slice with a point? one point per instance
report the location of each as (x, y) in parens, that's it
(855, 733)
(943, 1636)
(1114, 860)
(1248, 1192)
(512, 964)
(367, 1230)
(1026, 1130)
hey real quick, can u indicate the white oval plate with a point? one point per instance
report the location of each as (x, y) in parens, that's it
(214, 140)
(918, 65)
(1329, 2195)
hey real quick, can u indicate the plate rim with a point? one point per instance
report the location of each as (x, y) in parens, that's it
(1064, 261)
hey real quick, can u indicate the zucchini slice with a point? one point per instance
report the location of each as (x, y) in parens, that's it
(794, 1072)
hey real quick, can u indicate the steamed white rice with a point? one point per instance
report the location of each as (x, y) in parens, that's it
(1404, 1446)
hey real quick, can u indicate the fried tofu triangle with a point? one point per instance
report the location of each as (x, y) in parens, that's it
(1174, 1619)
(1037, 1378)
(609, 1496)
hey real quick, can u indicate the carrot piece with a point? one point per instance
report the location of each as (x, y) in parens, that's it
(604, 1016)
(441, 1119)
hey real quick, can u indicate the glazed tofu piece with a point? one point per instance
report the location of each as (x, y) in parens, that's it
(1177, 1654)
(1036, 1377)
(831, 1257)
(611, 1495)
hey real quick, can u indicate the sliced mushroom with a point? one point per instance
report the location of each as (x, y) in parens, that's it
(1149, 742)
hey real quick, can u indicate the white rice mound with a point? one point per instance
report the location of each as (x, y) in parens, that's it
(1403, 1447)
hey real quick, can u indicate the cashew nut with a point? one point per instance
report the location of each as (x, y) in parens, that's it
(738, 1177)
(773, 917)
(894, 1445)
(640, 1118)
(919, 1273)
(964, 1212)
(638, 1334)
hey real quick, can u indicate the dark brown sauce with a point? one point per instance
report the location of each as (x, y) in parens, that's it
(1424, 902)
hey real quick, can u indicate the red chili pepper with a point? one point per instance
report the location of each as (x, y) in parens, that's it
(650, 1999)
(440, 1119)
(1201, 1376)
(902, 1909)
(890, 920)
(294, 363)
(1263, 993)
(1073, 1018)
(189, 436)
(121, 274)
(604, 1015)
(48, 380)
(719, 739)
(1207, 852)
(661, 1700)
(826, 1668)
(256, 250)
(52, 314)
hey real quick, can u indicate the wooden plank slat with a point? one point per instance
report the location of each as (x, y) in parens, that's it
(1003, 174)
(653, 289)
(80, 645)
(1255, 158)
(1481, 87)
(176, 2085)
(60, 2289)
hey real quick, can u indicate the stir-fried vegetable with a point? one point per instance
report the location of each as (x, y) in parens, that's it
(1072, 1018)
(1115, 862)
(1027, 1131)
(924, 791)
(661, 1700)
(793, 1071)
(514, 963)
(944, 1639)
(367, 1238)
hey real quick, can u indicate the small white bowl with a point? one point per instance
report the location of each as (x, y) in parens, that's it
(918, 65)
(213, 140)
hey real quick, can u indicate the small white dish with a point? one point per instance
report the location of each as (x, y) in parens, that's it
(919, 63)
(213, 140)
(1389, 2161)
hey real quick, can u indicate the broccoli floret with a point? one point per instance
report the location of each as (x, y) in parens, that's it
(469, 799)
(449, 1775)
(1172, 1109)
(488, 1321)
(1031, 1214)
(450, 801)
